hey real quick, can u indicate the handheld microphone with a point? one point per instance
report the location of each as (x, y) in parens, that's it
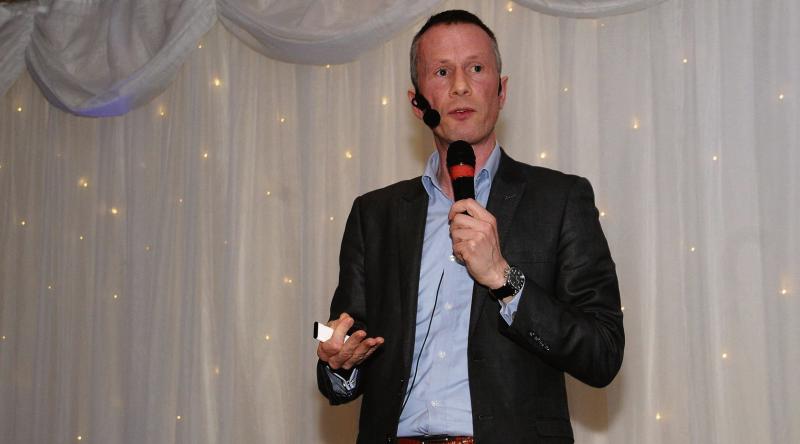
(461, 166)
(430, 116)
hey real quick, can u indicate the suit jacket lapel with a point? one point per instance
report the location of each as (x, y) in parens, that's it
(410, 214)
(507, 189)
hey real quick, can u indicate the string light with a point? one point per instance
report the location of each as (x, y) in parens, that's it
(784, 291)
(602, 214)
(622, 308)
(282, 119)
(348, 154)
(566, 89)
(691, 249)
(116, 296)
(161, 112)
(83, 183)
(287, 280)
(267, 337)
(658, 416)
(147, 248)
(199, 46)
(205, 155)
(23, 223)
(327, 66)
(715, 158)
(331, 218)
(635, 123)
(80, 237)
(724, 356)
(180, 200)
(269, 193)
(216, 370)
(50, 287)
(79, 438)
(543, 155)
(685, 61)
(114, 211)
(19, 109)
(217, 81)
(384, 101)
(3, 338)
(780, 96)
(510, 7)
(178, 417)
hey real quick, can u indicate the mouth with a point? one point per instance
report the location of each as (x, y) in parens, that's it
(461, 113)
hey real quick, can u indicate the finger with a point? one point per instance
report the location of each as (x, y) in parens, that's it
(367, 347)
(471, 206)
(343, 324)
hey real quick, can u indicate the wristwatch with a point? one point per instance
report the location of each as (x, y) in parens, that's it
(515, 280)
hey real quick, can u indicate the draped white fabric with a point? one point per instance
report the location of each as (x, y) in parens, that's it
(161, 270)
(144, 42)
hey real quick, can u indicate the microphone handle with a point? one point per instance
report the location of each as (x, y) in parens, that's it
(464, 188)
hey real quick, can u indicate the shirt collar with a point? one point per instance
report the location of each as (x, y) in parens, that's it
(430, 179)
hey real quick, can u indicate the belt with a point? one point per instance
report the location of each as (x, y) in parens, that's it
(436, 439)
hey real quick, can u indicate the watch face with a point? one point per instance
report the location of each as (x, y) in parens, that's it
(515, 278)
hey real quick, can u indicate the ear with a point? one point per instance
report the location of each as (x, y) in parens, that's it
(503, 90)
(417, 112)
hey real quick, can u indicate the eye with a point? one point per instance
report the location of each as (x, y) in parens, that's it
(441, 72)
(477, 68)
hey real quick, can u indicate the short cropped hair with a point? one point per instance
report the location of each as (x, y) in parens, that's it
(451, 17)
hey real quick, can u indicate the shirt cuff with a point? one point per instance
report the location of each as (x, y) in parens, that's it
(509, 309)
(342, 386)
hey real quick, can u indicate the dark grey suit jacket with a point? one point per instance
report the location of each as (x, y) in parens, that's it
(568, 320)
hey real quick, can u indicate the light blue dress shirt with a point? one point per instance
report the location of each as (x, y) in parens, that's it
(439, 399)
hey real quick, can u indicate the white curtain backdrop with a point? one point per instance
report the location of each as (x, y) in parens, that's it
(161, 269)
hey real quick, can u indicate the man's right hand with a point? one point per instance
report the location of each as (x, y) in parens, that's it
(340, 354)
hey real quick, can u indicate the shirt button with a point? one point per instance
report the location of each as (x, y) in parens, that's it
(442, 355)
(448, 306)
(452, 258)
(435, 403)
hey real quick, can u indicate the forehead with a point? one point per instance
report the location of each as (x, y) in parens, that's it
(454, 42)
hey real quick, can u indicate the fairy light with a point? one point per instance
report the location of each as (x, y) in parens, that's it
(784, 291)
(19, 109)
(269, 193)
(287, 280)
(327, 66)
(267, 338)
(216, 370)
(205, 155)
(161, 112)
(180, 200)
(83, 182)
(543, 155)
(692, 249)
(715, 158)
(331, 218)
(114, 211)
(602, 214)
(635, 124)
(23, 222)
(147, 248)
(282, 119)
(780, 96)
(199, 46)
(724, 356)
(510, 7)
(622, 308)
(217, 81)
(79, 438)
(115, 296)
(658, 416)
(384, 100)
(80, 237)
(348, 154)
(178, 417)
(566, 89)
(685, 61)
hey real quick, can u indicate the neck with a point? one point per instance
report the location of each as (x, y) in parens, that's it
(482, 150)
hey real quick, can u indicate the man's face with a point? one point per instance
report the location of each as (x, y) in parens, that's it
(458, 75)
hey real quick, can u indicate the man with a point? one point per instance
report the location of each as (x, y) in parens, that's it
(467, 314)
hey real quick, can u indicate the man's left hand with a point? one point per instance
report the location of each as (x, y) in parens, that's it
(476, 242)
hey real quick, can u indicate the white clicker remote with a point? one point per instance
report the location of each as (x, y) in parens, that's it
(322, 332)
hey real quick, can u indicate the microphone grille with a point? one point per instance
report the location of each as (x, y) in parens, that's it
(460, 152)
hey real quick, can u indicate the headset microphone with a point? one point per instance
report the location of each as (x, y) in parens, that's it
(430, 116)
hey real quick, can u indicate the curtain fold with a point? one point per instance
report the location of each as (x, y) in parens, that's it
(587, 8)
(16, 24)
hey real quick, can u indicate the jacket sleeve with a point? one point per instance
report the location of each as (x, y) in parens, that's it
(349, 297)
(577, 327)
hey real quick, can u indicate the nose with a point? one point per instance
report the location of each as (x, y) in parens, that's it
(460, 85)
